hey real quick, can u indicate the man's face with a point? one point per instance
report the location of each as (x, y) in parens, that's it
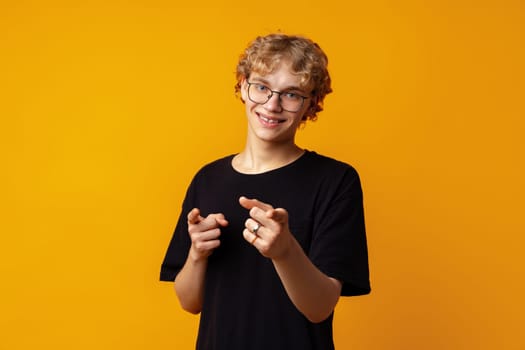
(269, 121)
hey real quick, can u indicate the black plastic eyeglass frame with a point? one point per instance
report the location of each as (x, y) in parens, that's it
(279, 93)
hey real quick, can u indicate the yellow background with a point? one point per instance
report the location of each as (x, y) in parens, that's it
(109, 107)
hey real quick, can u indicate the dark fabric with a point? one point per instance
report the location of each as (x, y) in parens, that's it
(245, 305)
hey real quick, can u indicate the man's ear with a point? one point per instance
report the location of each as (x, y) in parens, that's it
(243, 89)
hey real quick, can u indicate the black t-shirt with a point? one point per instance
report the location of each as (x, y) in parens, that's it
(245, 305)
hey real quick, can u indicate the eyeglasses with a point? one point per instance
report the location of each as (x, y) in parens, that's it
(289, 101)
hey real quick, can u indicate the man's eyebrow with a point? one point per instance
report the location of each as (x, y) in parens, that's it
(260, 80)
(288, 88)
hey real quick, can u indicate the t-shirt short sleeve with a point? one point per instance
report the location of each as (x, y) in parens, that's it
(180, 243)
(339, 246)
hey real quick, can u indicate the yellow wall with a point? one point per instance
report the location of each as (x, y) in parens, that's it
(109, 107)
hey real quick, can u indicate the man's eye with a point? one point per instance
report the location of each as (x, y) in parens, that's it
(291, 96)
(261, 88)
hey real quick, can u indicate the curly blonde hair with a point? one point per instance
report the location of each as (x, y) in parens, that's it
(306, 57)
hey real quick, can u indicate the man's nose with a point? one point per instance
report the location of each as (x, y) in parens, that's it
(274, 103)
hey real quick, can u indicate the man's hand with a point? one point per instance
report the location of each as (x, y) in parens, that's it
(267, 228)
(204, 233)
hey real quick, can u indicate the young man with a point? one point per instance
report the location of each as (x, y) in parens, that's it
(269, 238)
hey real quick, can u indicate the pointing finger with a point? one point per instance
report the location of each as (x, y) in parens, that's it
(220, 219)
(252, 203)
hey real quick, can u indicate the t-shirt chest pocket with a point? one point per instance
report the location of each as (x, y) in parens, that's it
(302, 231)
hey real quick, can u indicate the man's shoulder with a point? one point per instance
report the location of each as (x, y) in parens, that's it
(218, 165)
(325, 163)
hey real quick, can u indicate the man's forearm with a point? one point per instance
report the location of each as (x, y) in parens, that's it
(189, 284)
(312, 292)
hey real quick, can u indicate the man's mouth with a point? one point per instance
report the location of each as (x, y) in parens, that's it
(270, 121)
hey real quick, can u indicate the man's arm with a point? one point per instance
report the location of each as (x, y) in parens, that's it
(204, 234)
(312, 292)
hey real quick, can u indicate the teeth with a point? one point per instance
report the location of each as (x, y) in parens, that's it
(271, 121)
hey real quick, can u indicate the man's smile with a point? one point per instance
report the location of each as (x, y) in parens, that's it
(270, 120)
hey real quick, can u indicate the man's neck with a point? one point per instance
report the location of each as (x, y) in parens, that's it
(259, 158)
